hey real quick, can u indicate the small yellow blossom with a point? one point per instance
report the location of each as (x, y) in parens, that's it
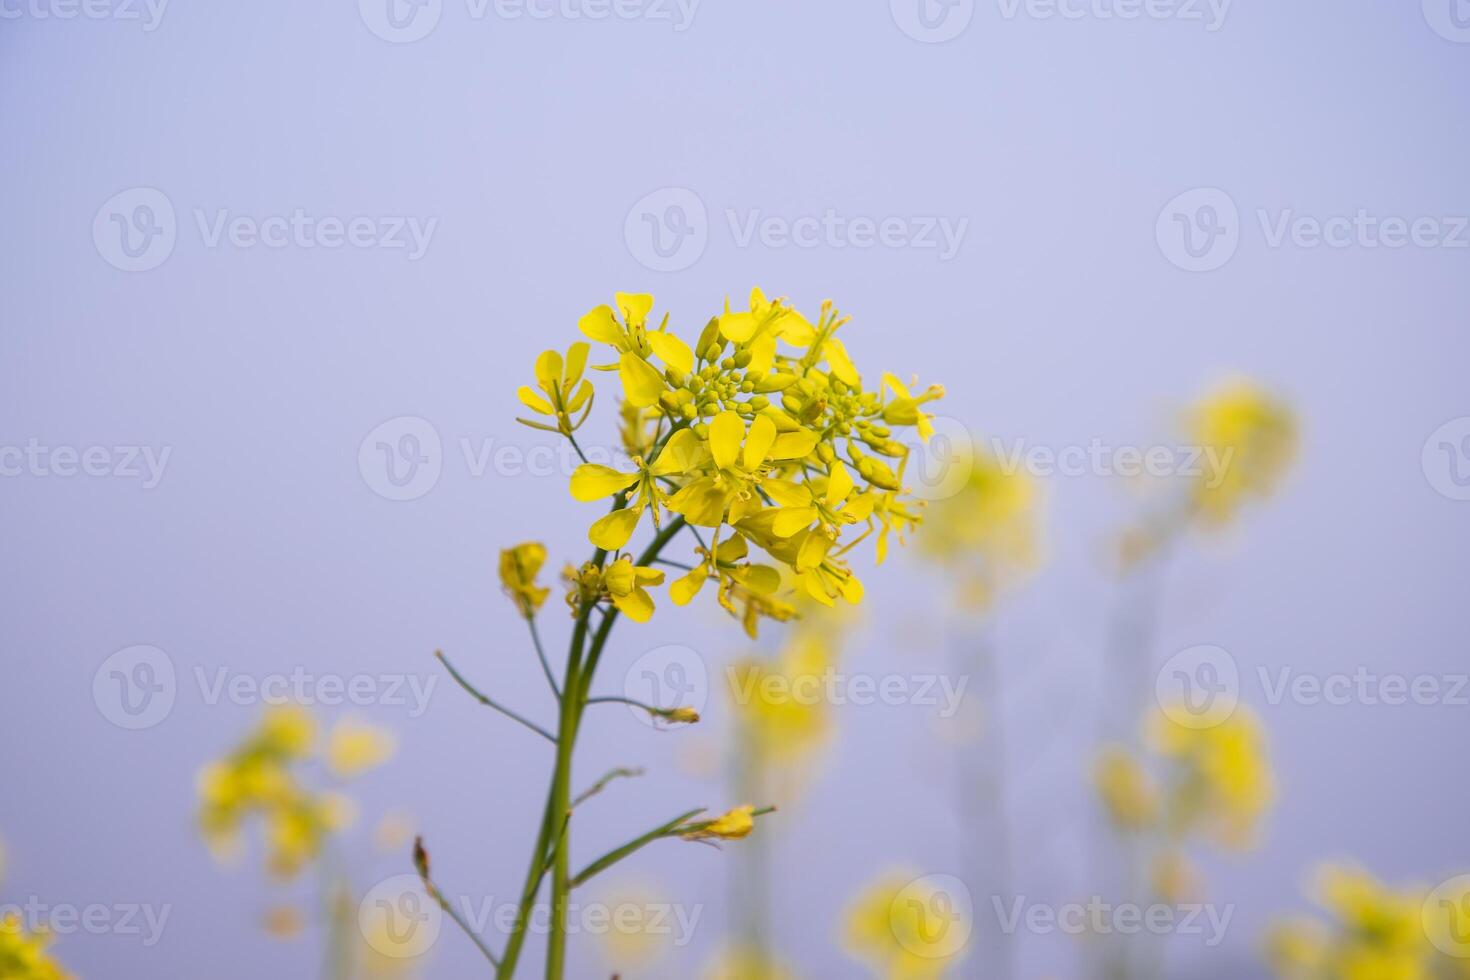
(986, 533)
(1223, 782)
(1374, 933)
(625, 584)
(519, 567)
(904, 929)
(1127, 791)
(731, 825)
(1253, 435)
(558, 378)
(354, 747)
(23, 954)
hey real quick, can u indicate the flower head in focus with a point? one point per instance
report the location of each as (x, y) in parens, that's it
(564, 391)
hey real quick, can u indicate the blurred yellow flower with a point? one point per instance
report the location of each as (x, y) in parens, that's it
(1374, 933)
(354, 747)
(987, 532)
(1252, 434)
(780, 703)
(745, 963)
(23, 954)
(904, 929)
(1222, 779)
(519, 567)
(1128, 792)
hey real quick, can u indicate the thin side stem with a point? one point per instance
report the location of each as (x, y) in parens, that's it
(541, 654)
(487, 702)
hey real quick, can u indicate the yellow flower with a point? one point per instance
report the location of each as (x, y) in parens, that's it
(986, 532)
(1375, 933)
(625, 583)
(1253, 437)
(1223, 783)
(23, 954)
(355, 747)
(907, 928)
(761, 426)
(780, 703)
(287, 730)
(1127, 792)
(731, 825)
(592, 481)
(564, 397)
(519, 567)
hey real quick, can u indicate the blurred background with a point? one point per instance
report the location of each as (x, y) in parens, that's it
(273, 274)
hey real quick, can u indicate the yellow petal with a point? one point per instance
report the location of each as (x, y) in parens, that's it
(813, 550)
(685, 588)
(592, 481)
(679, 455)
(787, 493)
(899, 388)
(725, 434)
(634, 307)
(839, 484)
(613, 531)
(576, 402)
(790, 520)
(642, 384)
(852, 590)
(576, 363)
(732, 549)
(672, 351)
(794, 445)
(636, 605)
(859, 508)
(619, 577)
(761, 578)
(758, 443)
(648, 576)
(702, 503)
(737, 327)
(548, 369)
(797, 330)
(533, 401)
(762, 355)
(600, 325)
(841, 364)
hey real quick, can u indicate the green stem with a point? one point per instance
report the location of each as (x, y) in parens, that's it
(487, 702)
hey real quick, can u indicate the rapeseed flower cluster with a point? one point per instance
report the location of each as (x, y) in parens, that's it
(1372, 932)
(261, 778)
(762, 431)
